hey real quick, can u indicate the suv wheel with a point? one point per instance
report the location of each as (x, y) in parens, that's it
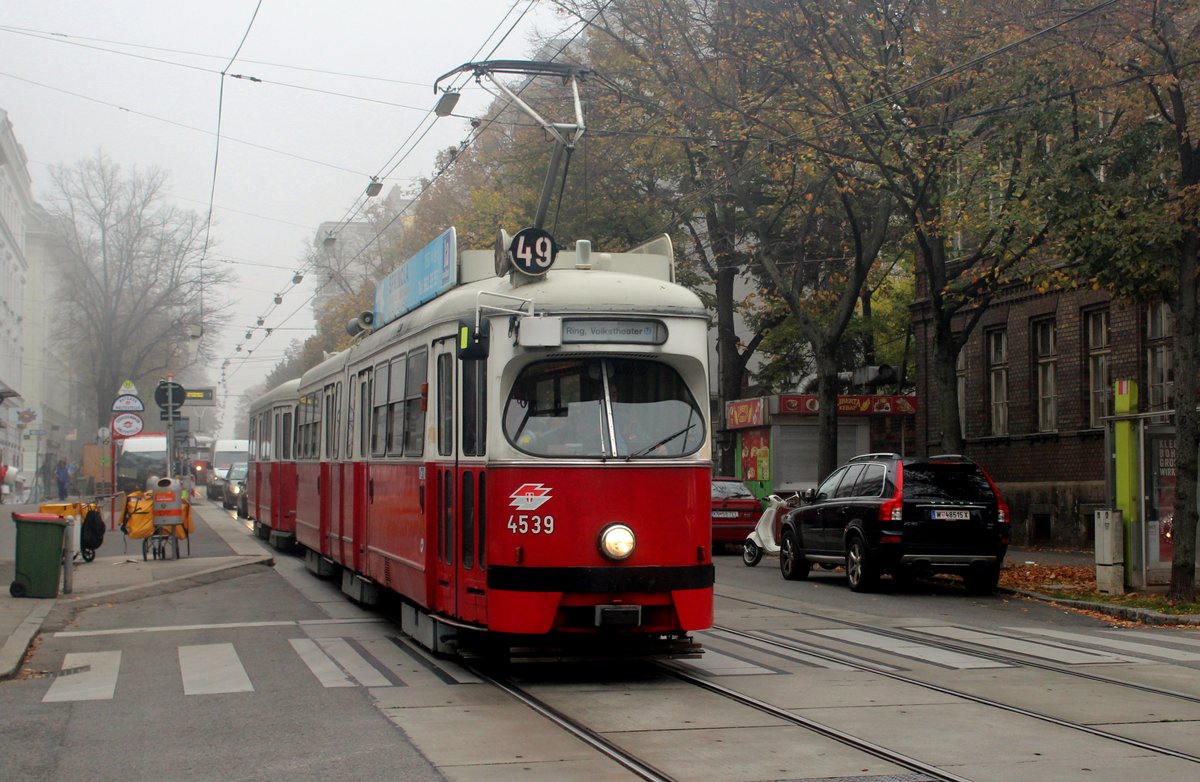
(860, 570)
(792, 563)
(982, 580)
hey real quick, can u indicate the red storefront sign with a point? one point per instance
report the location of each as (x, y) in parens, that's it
(861, 404)
(742, 413)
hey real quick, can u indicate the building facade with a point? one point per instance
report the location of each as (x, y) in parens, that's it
(16, 202)
(1035, 392)
(39, 392)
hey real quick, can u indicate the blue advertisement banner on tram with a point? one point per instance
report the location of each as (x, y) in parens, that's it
(429, 273)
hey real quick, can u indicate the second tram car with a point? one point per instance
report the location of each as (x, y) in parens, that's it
(271, 489)
(521, 457)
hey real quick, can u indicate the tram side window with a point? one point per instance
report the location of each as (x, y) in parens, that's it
(474, 407)
(364, 410)
(350, 416)
(286, 451)
(337, 421)
(254, 437)
(396, 407)
(330, 431)
(445, 412)
(414, 403)
(314, 425)
(264, 428)
(379, 417)
(304, 424)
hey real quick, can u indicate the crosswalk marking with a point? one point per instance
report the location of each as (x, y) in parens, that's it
(212, 669)
(85, 676)
(795, 655)
(1157, 637)
(353, 663)
(1061, 653)
(325, 669)
(911, 649)
(719, 664)
(1161, 652)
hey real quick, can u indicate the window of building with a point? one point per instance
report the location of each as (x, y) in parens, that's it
(997, 352)
(1160, 375)
(1099, 350)
(1046, 354)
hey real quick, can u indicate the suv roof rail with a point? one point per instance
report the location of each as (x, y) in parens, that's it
(881, 455)
(947, 456)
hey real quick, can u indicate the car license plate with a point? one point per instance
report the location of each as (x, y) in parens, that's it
(951, 515)
(724, 514)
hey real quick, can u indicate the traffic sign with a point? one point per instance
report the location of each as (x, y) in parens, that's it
(128, 403)
(128, 388)
(176, 393)
(126, 425)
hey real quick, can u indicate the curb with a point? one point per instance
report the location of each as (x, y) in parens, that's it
(55, 614)
(1128, 613)
(165, 585)
(13, 650)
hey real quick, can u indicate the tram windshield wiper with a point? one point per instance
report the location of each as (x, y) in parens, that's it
(660, 443)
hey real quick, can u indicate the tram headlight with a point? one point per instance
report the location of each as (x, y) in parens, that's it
(617, 541)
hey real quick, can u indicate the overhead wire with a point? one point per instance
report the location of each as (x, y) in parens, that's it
(212, 193)
(400, 155)
(67, 38)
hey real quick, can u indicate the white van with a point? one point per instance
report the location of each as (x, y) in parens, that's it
(141, 457)
(225, 454)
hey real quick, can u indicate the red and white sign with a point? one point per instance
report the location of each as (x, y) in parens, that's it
(126, 425)
(530, 496)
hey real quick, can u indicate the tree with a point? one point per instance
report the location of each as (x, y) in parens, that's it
(132, 282)
(1135, 163)
(887, 99)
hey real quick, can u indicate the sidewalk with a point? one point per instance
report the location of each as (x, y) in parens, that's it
(221, 547)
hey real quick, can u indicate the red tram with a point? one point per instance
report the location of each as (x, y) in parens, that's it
(271, 488)
(521, 454)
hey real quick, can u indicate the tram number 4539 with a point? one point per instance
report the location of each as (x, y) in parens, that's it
(522, 524)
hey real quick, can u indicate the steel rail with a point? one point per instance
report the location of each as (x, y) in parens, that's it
(867, 668)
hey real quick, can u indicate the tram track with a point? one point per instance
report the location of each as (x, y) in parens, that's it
(970, 649)
(824, 652)
(644, 769)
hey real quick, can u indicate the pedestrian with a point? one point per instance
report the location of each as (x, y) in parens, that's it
(63, 477)
(3, 481)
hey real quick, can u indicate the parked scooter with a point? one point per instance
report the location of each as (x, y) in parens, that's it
(762, 539)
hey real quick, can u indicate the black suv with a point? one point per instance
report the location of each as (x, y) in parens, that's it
(884, 513)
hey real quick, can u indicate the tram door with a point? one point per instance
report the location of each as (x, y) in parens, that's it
(471, 425)
(331, 471)
(445, 483)
(354, 527)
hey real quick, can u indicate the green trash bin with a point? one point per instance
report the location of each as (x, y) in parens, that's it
(39, 554)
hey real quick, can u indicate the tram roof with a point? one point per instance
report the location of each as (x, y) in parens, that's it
(284, 392)
(640, 282)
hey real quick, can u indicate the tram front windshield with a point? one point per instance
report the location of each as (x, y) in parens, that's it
(603, 408)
